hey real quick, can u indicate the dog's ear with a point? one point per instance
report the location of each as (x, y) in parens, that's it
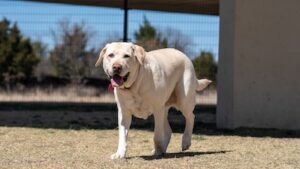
(139, 53)
(101, 55)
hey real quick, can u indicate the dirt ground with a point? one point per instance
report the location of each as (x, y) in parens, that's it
(87, 148)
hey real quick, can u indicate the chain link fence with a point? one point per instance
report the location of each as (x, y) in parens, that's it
(65, 40)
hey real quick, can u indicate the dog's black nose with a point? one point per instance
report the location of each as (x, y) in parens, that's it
(117, 68)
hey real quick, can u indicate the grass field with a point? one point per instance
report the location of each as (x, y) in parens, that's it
(86, 148)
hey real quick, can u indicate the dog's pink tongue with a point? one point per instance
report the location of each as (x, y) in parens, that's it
(116, 81)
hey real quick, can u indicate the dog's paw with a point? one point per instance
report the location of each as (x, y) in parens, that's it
(117, 155)
(157, 153)
(186, 144)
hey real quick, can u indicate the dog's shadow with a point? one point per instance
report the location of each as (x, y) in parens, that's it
(180, 155)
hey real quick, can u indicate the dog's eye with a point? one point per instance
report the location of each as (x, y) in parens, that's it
(126, 56)
(111, 55)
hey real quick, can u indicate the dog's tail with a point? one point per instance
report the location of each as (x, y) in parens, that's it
(202, 84)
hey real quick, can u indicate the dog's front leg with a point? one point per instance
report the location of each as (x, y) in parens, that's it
(124, 121)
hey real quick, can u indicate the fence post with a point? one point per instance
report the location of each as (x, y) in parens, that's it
(125, 31)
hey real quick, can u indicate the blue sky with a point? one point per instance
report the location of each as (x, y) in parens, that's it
(36, 20)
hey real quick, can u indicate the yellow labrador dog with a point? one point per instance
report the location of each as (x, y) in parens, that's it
(148, 83)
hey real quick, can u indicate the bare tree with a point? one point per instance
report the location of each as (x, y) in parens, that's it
(71, 57)
(176, 39)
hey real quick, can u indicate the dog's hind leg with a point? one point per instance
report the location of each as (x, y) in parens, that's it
(188, 131)
(187, 105)
(162, 132)
(185, 102)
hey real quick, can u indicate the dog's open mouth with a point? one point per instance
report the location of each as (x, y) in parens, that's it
(117, 80)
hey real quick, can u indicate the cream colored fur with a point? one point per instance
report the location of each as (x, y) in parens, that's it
(158, 80)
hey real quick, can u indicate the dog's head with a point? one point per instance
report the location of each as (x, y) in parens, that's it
(121, 62)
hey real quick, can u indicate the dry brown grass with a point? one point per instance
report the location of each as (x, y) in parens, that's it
(82, 94)
(54, 148)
